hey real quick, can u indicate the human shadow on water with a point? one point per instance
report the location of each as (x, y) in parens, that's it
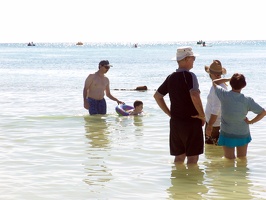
(97, 133)
(186, 182)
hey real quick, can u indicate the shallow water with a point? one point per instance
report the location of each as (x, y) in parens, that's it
(51, 148)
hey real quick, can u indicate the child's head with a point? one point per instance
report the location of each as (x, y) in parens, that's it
(138, 105)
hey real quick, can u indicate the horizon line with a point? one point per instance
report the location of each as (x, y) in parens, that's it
(143, 42)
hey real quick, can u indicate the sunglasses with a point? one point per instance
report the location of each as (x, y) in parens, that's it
(106, 67)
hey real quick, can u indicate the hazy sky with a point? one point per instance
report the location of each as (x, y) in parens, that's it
(131, 20)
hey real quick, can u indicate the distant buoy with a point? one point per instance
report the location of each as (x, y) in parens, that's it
(142, 87)
(79, 43)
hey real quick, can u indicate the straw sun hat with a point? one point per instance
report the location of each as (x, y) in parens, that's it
(215, 68)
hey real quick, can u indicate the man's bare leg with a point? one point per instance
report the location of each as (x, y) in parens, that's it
(180, 158)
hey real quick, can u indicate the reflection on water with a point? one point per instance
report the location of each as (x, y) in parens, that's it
(109, 137)
(186, 182)
(125, 124)
(218, 180)
(138, 121)
(97, 131)
(98, 142)
(225, 178)
(215, 178)
(213, 152)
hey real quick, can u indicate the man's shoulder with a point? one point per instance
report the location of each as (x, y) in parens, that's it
(185, 72)
(92, 74)
(90, 77)
(97, 77)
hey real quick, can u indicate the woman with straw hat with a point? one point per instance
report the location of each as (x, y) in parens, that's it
(213, 106)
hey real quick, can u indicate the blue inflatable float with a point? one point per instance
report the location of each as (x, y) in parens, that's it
(122, 109)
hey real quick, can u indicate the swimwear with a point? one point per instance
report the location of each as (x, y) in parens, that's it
(186, 136)
(230, 140)
(96, 106)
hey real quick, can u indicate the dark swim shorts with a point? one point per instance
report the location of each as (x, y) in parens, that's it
(97, 106)
(186, 137)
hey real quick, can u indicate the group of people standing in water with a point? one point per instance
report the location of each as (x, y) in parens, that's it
(225, 115)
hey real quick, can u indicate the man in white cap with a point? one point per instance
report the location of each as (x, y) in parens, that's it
(186, 111)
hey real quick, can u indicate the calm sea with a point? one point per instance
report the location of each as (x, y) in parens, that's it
(52, 149)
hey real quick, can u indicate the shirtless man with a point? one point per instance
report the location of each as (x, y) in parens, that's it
(95, 86)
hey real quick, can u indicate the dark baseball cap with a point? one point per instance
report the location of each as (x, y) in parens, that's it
(105, 63)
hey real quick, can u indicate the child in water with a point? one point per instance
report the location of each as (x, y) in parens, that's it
(138, 107)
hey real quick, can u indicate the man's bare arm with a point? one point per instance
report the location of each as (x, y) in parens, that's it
(161, 103)
(87, 84)
(110, 96)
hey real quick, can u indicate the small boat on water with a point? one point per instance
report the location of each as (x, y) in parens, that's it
(79, 43)
(31, 44)
(199, 42)
(202, 43)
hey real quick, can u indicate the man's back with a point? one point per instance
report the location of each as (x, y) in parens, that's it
(179, 85)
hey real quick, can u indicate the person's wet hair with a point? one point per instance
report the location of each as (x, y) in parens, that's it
(137, 103)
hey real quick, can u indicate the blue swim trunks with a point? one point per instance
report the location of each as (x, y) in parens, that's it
(96, 106)
(230, 140)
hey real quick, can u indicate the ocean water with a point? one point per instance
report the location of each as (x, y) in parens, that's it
(52, 149)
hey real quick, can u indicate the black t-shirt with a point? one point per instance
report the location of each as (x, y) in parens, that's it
(178, 85)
